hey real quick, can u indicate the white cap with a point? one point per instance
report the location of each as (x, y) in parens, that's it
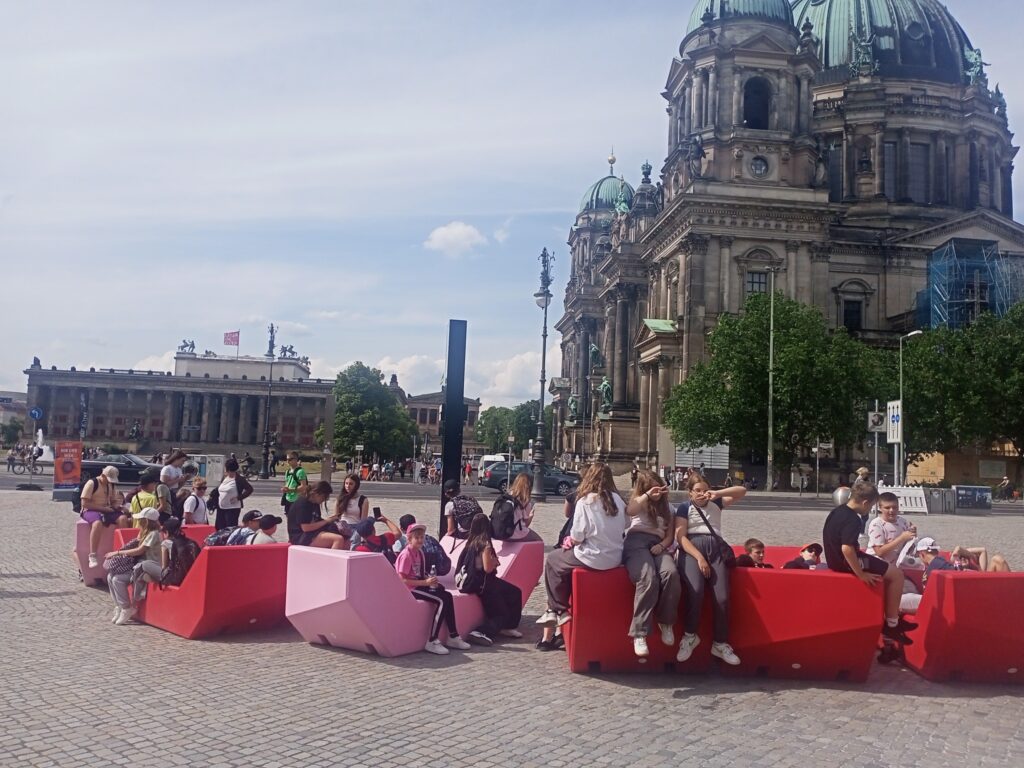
(927, 544)
(149, 513)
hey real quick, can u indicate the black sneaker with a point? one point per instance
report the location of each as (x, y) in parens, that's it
(476, 637)
(895, 633)
(546, 645)
(558, 643)
(906, 626)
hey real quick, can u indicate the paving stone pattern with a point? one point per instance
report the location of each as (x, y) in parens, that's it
(77, 691)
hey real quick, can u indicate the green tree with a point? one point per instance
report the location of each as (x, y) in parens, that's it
(492, 427)
(495, 424)
(823, 382)
(12, 430)
(368, 415)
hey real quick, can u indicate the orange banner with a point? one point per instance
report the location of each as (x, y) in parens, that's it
(67, 465)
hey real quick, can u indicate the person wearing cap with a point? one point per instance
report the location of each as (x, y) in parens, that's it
(367, 540)
(1004, 490)
(148, 550)
(459, 509)
(267, 527)
(101, 508)
(809, 558)
(250, 527)
(145, 495)
(928, 550)
(403, 524)
(840, 538)
(411, 566)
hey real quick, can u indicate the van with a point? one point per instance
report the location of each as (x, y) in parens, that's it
(487, 460)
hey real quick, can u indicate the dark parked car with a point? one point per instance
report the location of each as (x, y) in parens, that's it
(555, 480)
(129, 467)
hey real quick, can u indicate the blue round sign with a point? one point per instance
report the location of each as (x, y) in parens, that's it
(36, 413)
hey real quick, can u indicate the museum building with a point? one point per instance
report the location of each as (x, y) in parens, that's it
(852, 152)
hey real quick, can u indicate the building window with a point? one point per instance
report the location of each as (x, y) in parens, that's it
(471, 419)
(919, 184)
(835, 173)
(889, 169)
(423, 415)
(412, 414)
(433, 417)
(757, 104)
(853, 315)
(757, 282)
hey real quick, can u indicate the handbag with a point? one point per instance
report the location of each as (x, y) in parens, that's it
(120, 564)
(728, 556)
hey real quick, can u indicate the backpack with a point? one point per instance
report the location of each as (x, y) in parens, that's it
(468, 577)
(213, 501)
(465, 509)
(240, 535)
(183, 555)
(219, 538)
(383, 547)
(434, 555)
(503, 518)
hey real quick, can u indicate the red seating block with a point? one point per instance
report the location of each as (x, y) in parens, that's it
(597, 637)
(228, 589)
(197, 533)
(776, 557)
(970, 629)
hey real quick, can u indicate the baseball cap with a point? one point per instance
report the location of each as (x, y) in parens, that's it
(415, 527)
(451, 485)
(365, 527)
(111, 474)
(252, 514)
(269, 521)
(814, 547)
(149, 513)
(927, 544)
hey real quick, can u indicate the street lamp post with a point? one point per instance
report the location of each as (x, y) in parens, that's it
(901, 468)
(771, 382)
(265, 468)
(508, 466)
(543, 298)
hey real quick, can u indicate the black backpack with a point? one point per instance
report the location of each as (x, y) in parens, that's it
(213, 501)
(469, 578)
(183, 555)
(465, 508)
(219, 538)
(503, 517)
(434, 555)
(381, 546)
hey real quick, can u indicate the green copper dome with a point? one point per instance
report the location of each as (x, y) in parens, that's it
(769, 10)
(607, 194)
(913, 39)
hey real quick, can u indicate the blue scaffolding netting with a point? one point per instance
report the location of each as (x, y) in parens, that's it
(967, 278)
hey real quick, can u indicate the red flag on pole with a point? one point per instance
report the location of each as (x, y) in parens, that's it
(231, 338)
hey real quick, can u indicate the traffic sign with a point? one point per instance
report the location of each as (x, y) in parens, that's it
(359, 448)
(36, 413)
(894, 421)
(876, 422)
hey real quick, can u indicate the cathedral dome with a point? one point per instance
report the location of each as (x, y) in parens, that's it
(913, 39)
(769, 10)
(606, 194)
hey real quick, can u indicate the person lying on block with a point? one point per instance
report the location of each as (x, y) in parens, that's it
(808, 559)
(754, 557)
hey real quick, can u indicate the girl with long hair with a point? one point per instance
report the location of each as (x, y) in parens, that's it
(699, 533)
(502, 601)
(351, 507)
(520, 491)
(595, 538)
(650, 529)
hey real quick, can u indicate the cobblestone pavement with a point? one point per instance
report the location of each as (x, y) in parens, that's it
(77, 691)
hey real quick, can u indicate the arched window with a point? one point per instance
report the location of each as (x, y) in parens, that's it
(757, 104)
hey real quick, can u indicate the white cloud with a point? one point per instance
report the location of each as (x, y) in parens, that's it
(324, 314)
(292, 328)
(502, 233)
(455, 239)
(164, 362)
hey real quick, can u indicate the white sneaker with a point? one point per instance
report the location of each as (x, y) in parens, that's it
(686, 646)
(117, 615)
(725, 652)
(640, 647)
(510, 633)
(94, 561)
(548, 617)
(668, 636)
(563, 618)
(126, 617)
(458, 643)
(434, 646)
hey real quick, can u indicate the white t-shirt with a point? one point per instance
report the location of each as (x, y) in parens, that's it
(171, 476)
(881, 533)
(196, 506)
(522, 514)
(695, 525)
(228, 494)
(598, 535)
(351, 513)
(262, 538)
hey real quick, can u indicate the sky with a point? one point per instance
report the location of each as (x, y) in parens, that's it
(356, 173)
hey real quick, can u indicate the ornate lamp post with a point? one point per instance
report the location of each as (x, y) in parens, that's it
(901, 466)
(265, 468)
(543, 298)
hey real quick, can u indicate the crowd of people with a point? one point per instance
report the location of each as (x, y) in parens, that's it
(667, 552)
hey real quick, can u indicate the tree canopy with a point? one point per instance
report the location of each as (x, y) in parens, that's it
(368, 415)
(495, 423)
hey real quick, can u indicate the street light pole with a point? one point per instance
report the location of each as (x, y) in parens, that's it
(901, 468)
(768, 485)
(508, 466)
(543, 298)
(265, 469)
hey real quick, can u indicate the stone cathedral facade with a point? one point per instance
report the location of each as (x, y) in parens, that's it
(830, 147)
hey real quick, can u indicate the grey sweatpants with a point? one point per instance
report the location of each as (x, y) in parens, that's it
(558, 578)
(119, 583)
(656, 580)
(694, 582)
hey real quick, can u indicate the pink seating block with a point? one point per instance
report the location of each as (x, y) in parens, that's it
(80, 553)
(519, 562)
(355, 600)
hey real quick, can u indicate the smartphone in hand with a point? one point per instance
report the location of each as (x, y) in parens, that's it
(376, 513)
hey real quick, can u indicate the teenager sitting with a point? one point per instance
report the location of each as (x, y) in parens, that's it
(308, 527)
(753, 556)
(267, 528)
(502, 601)
(808, 559)
(520, 491)
(367, 539)
(102, 506)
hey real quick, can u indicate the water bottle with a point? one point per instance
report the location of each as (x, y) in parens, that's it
(433, 571)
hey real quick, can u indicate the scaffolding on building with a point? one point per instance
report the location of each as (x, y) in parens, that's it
(967, 278)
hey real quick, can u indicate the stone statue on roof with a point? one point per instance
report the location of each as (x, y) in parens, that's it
(574, 405)
(975, 67)
(605, 389)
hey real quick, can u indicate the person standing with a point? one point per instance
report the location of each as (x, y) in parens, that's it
(296, 484)
(273, 463)
(231, 495)
(196, 511)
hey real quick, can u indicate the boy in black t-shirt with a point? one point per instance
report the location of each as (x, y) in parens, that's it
(840, 538)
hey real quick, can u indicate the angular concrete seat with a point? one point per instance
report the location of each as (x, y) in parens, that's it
(519, 562)
(92, 576)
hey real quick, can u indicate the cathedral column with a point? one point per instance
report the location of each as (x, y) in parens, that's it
(609, 335)
(880, 169)
(222, 432)
(802, 104)
(128, 414)
(698, 101)
(850, 164)
(673, 128)
(653, 408)
(645, 407)
(110, 413)
(785, 111)
(725, 267)
(583, 332)
(737, 97)
(261, 418)
(819, 277)
(792, 249)
(186, 418)
(243, 419)
(688, 108)
(619, 383)
(168, 429)
(280, 415)
(940, 185)
(298, 420)
(712, 110)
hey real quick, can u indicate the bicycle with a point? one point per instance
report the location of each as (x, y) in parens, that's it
(21, 467)
(250, 471)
